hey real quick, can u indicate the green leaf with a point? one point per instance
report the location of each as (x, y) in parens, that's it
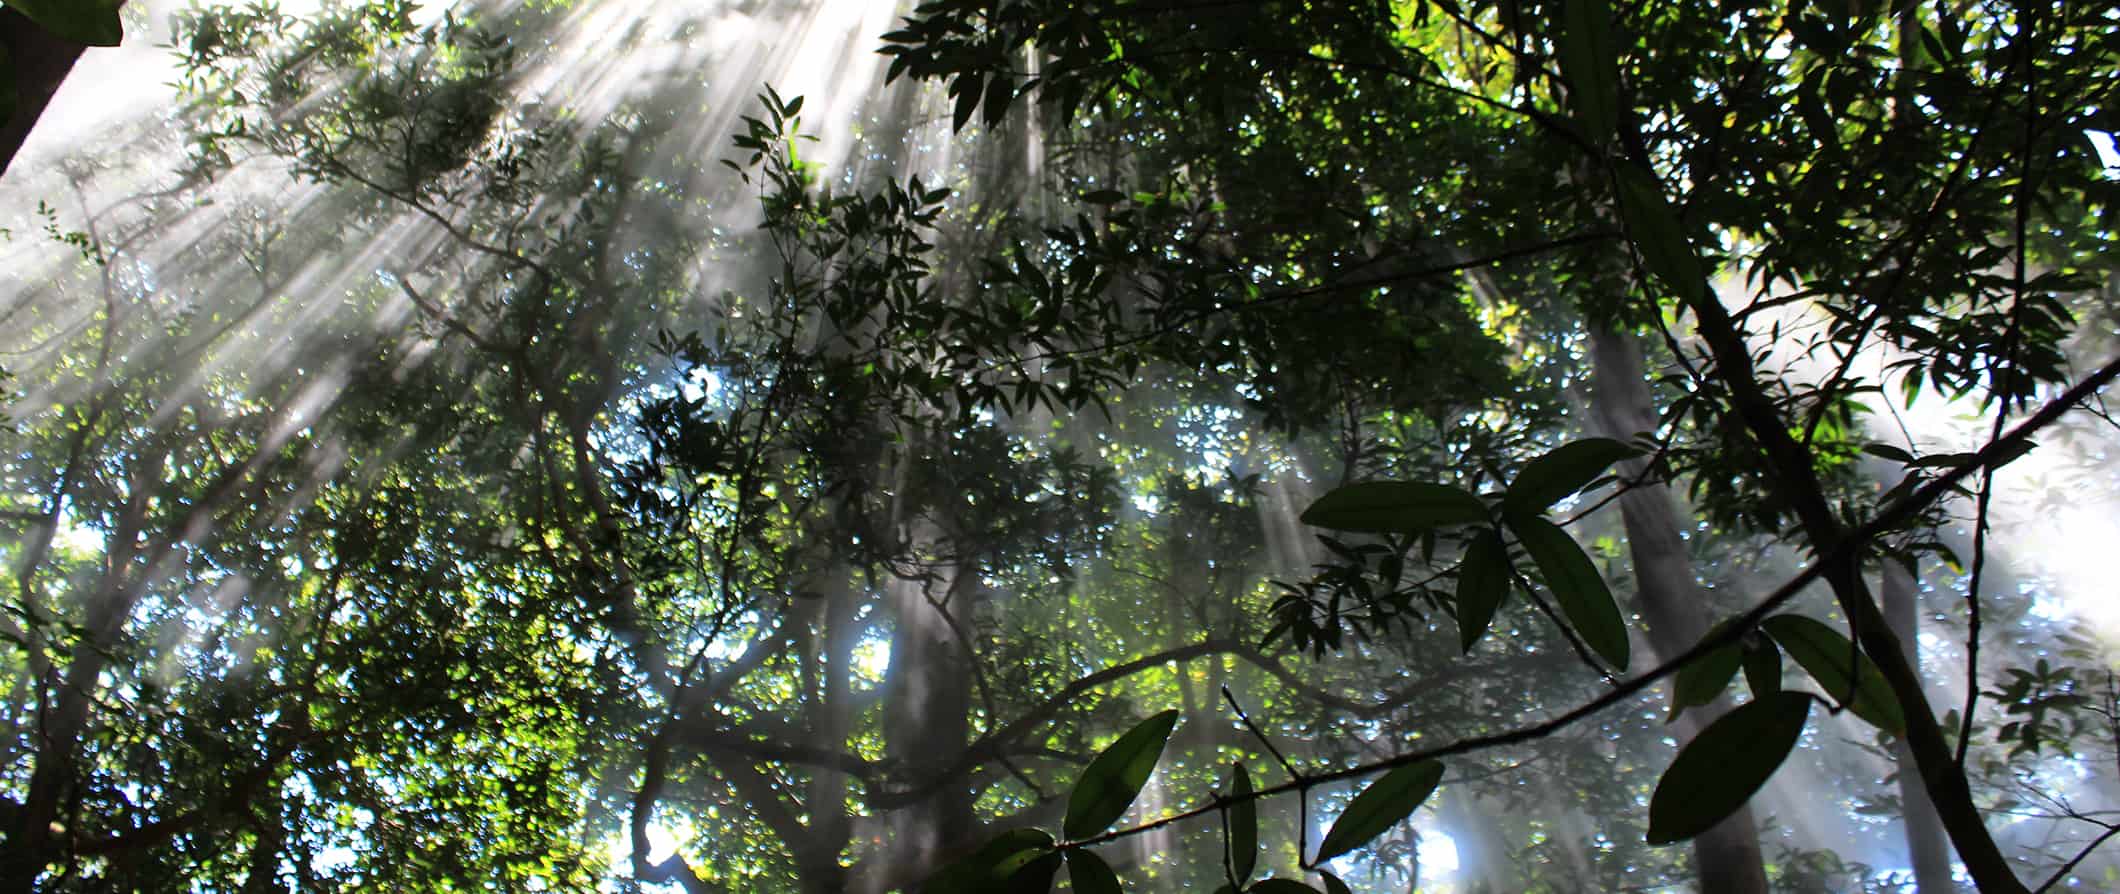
(1110, 783)
(1483, 582)
(993, 866)
(1763, 667)
(1576, 585)
(1333, 885)
(1243, 824)
(1035, 876)
(967, 90)
(92, 22)
(1653, 225)
(1591, 63)
(1281, 886)
(1717, 772)
(1824, 654)
(1562, 471)
(1090, 874)
(1394, 507)
(1706, 677)
(1380, 806)
(10, 98)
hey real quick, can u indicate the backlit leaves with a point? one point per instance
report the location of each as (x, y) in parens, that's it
(1560, 472)
(1717, 772)
(1584, 599)
(1380, 806)
(1110, 783)
(91, 22)
(1395, 507)
(1483, 582)
(1825, 655)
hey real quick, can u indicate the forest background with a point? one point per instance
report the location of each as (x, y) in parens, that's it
(603, 445)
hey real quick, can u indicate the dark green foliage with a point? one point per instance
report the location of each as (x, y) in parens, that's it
(1110, 783)
(1575, 583)
(91, 22)
(1380, 805)
(1718, 771)
(1826, 656)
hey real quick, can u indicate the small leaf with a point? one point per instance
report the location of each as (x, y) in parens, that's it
(1653, 225)
(1887, 451)
(1591, 63)
(1394, 507)
(968, 90)
(1110, 783)
(1576, 585)
(991, 867)
(1243, 824)
(1333, 885)
(1090, 874)
(1562, 471)
(92, 22)
(1763, 667)
(1717, 772)
(1483, 582)
(1706, 677)
(1281, 886)
(1824, 654)
(1380, 806)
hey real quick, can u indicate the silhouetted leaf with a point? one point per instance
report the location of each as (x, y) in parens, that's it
(968, 88)
(1483, 582)
(1562, 471)
(1111, 781)
(1762, 667)
(1380, 806)
(1824, 654)
(92, 22)
(1700, 681)
(1089, 874)
(1281, 886)
(1394, 507)
(1591, 63)
(992, 866)
(1333, 885)
(1576, 585)
(1243, 824)
(1654, 227)
(1717, 772)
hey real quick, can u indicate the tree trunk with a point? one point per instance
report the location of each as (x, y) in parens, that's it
(1927, 846)
(1727, 857)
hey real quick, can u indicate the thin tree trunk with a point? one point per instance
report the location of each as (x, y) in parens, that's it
(1927, 845)
(1727, 857)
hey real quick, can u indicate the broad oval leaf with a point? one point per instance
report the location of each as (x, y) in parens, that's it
(1333, 885)
(1824, 654)
(1591, 63)
(1090, 874)
(1109, 784)
(1243, 821)
(1482, 585)
(1281, 886)
(1380, 806)
(991, 866)
(1763, 667)
(1654, 227)
(92, 22)
(1560, 472)
(1394, 507)
(1699, 682)
(1585, 600)
(1718, 771)
(1035, 876)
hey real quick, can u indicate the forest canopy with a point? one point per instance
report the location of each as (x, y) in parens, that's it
(1022, 445)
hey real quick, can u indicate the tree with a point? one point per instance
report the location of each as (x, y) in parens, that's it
(534, 545)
